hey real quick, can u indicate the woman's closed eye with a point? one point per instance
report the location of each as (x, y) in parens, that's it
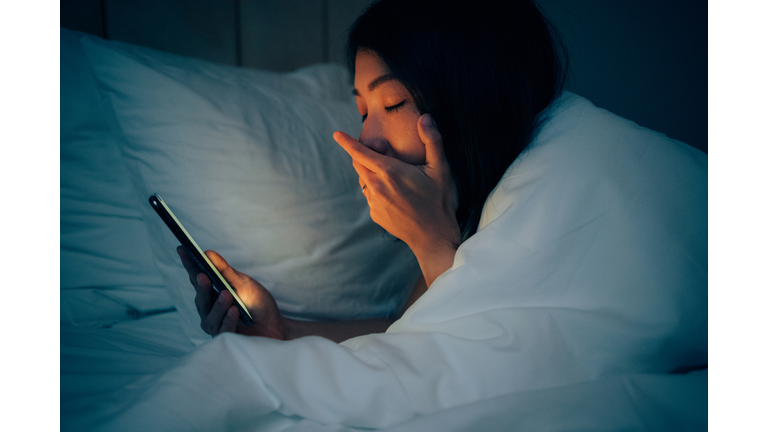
(395, 107)
(390, 109)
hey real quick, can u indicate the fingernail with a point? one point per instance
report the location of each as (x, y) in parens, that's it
(427, 121)
(231, 312)
(221, 298)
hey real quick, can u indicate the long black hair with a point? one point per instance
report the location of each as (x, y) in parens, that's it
(484, 70)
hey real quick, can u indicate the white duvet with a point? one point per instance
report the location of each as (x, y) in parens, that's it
(584, 288)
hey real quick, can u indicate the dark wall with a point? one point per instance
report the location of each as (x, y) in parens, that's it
(644, 60)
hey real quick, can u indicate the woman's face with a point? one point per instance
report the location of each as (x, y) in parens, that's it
(388, 110)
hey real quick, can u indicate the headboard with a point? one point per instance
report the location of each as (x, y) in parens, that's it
(646, 61)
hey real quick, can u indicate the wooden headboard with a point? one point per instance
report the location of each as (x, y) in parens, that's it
(646, 61)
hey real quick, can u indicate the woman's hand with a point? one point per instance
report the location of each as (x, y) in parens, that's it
(217, 312)
(415, 203)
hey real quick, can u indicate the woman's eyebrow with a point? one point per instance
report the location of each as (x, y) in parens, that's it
(375, 83)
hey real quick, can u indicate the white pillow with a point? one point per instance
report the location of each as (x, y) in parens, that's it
(247, 161)
(107, 274)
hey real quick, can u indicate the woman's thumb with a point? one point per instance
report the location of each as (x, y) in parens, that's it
(432, 140)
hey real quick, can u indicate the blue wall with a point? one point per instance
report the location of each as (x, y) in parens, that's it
(644, 60)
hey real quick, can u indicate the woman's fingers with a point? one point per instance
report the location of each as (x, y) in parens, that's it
(361, 154)
(230, 321)
(217, 311)
(189, 264)
(204, 294)
(433, 142)
(361, 170)
(232, 276)
(436, 159)
(214, 321)
(365, 176)
(224, 315)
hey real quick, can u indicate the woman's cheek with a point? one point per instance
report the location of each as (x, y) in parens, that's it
(414, 153)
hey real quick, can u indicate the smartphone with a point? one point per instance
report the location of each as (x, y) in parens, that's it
(218, 282)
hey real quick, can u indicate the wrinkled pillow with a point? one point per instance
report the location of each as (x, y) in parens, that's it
(107, 272)
(247, 162)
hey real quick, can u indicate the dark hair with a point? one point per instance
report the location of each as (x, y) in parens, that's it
(483, 69)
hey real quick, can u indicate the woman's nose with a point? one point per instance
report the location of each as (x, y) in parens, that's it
(379, 145)
(372, 139)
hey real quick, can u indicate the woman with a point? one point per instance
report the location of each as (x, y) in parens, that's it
(450, 93)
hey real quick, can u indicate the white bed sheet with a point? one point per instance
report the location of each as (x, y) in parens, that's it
(96, 363)
(652, 402)
(101, 367)
(103, 363)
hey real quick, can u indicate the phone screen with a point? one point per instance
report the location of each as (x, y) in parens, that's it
(178, 230)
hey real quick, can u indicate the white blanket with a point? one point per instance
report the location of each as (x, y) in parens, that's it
(588, 276)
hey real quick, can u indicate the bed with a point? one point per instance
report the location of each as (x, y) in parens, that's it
(574, 334)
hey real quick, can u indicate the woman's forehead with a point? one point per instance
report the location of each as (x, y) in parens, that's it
(371, 72)
(368, 63)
